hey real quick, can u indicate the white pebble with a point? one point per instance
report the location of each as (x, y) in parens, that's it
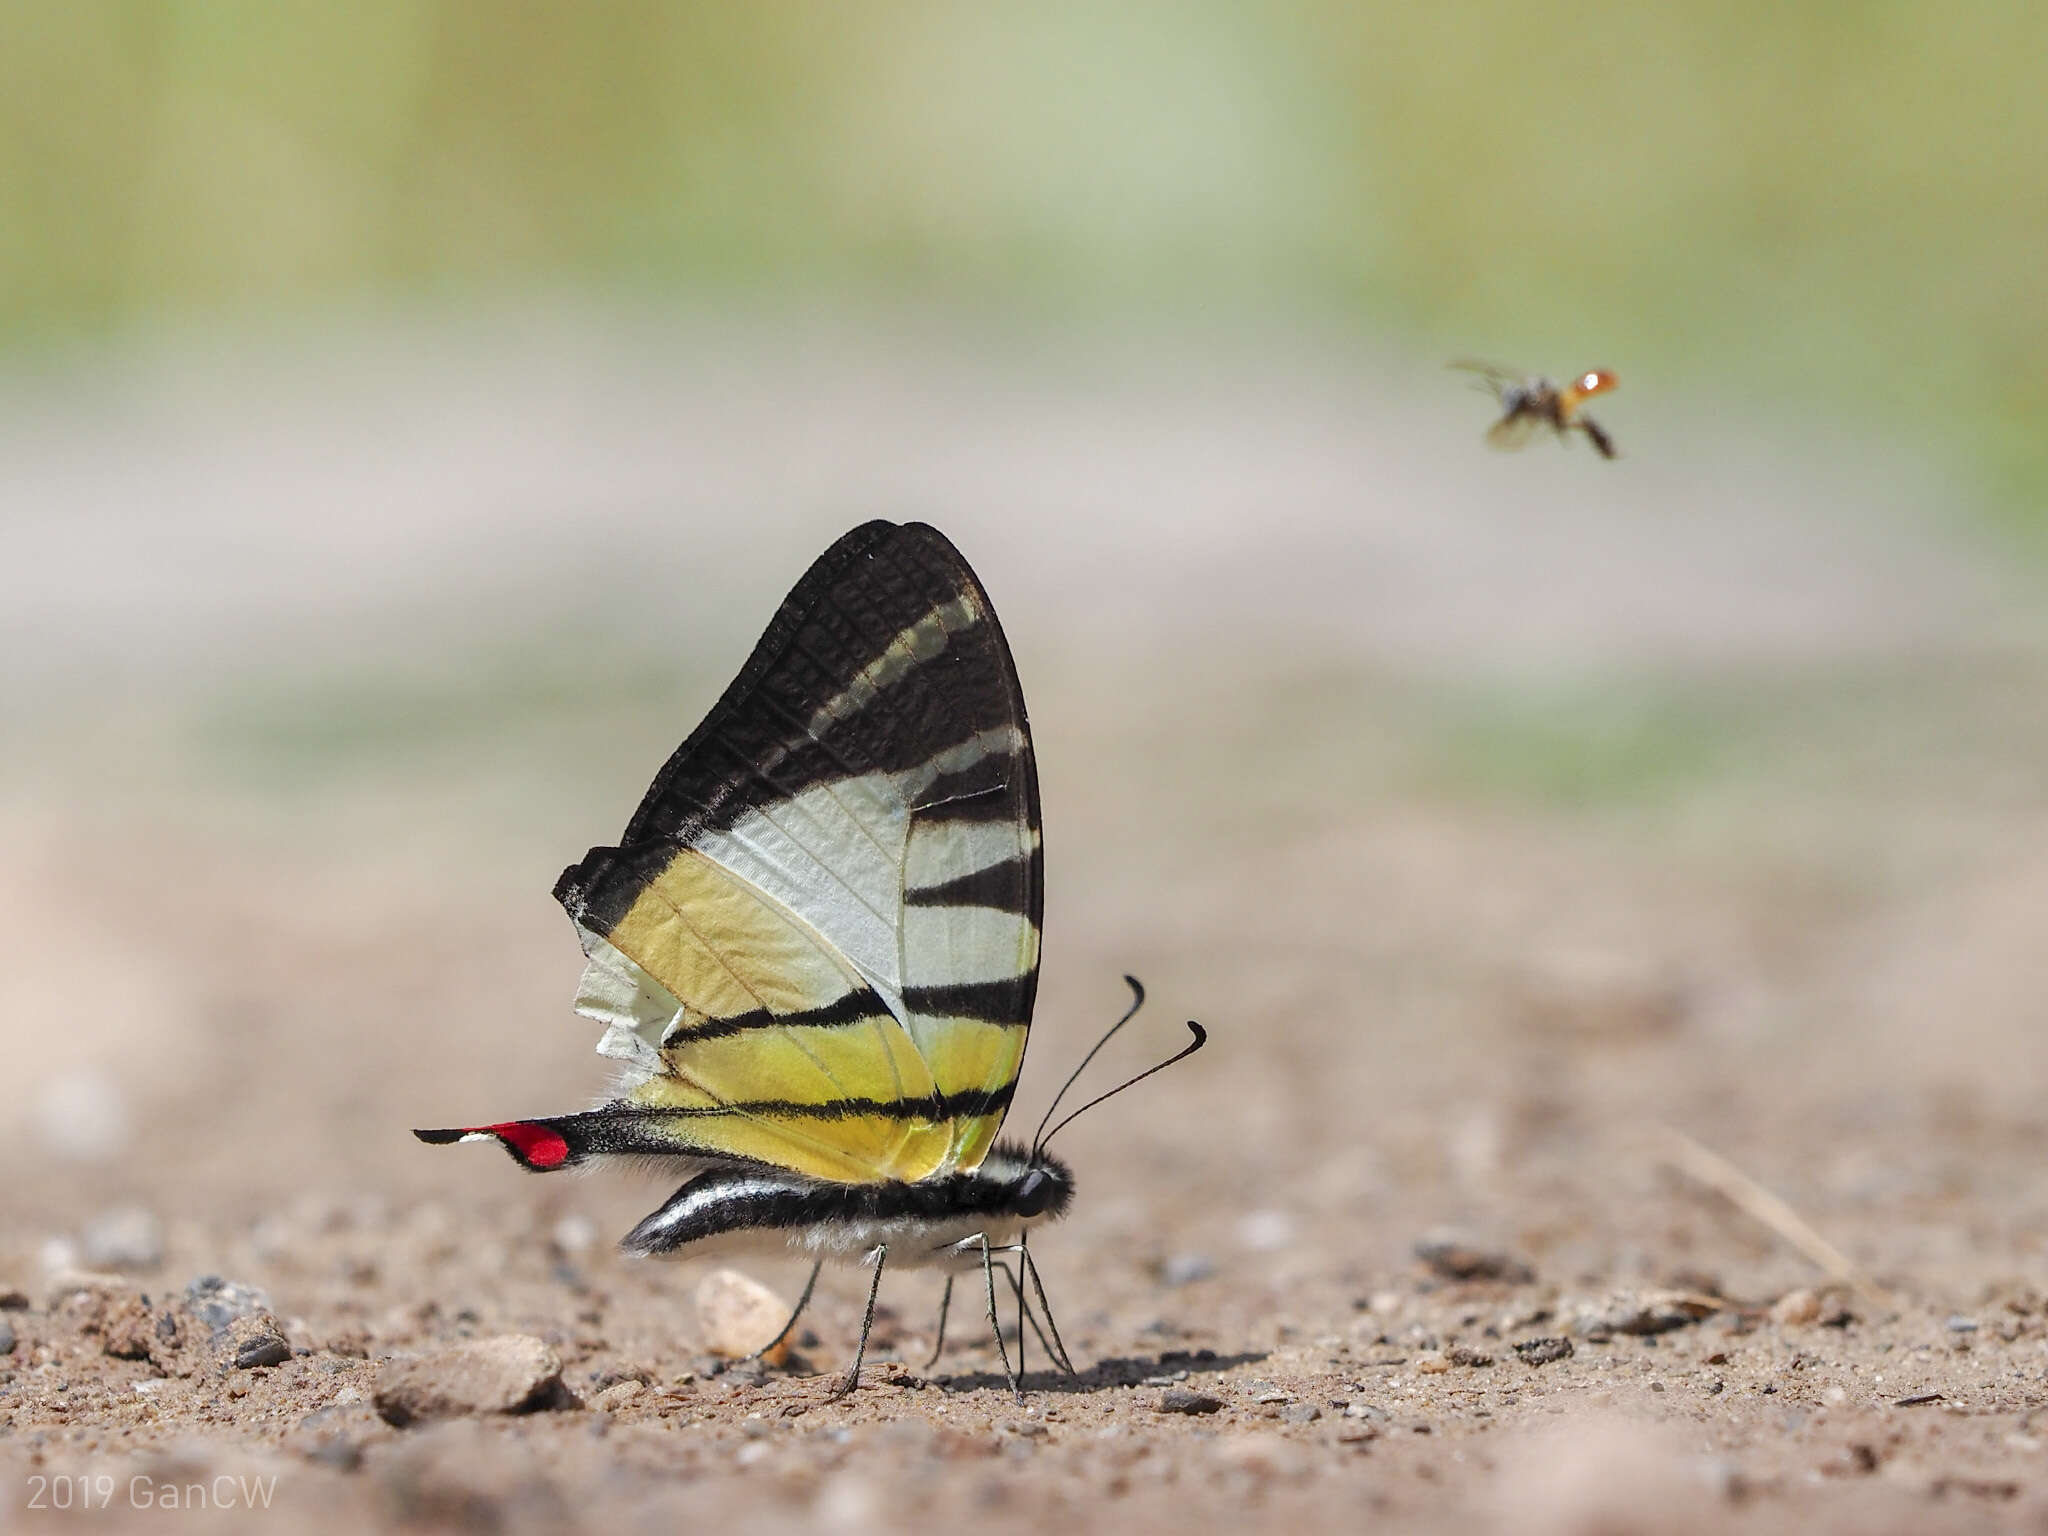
(1265, 1231)
(83, 1115)
(738, 1314)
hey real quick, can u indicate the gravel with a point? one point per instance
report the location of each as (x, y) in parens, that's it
(1544, 1351)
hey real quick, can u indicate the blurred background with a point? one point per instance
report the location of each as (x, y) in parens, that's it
(410, 412)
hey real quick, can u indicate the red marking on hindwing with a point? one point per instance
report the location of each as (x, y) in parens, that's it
(537, 1145)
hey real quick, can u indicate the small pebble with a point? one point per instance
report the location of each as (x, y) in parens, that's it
(249, 1343)
(1452, 1255)
(13, 1299)
(216, 1302)
(617, 1395)
(1187, 1268)
(127, 1329)
(1265, 1231)
(127, 1237)
(513, 1373)
(6, 1337)
(1796, 1309)
(1544, 1351)
(1431, 1363)
(737, 1314)
(59, 1256)
(1301, 1413)
(1961, 1324)
(84, 1115)
(1470, 1358)
(1184, 1400)
(1645, 1313)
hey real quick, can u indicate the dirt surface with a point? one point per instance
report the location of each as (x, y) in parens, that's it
(1515, 831)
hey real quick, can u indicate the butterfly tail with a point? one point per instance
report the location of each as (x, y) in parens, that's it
(540, 1146)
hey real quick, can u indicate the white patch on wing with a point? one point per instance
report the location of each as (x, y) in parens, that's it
(1001, 738)
(911, 646)
(941, 850)
(635, 1009)
(835, 855)
(958, 945)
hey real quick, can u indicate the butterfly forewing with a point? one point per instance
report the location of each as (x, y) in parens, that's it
(817, 943)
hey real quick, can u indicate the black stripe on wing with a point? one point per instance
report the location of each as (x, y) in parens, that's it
(1008, 885)
(988, 1002)
(860, 1007)
(856, 601)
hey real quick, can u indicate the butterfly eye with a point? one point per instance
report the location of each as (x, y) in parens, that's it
(1034, 1195)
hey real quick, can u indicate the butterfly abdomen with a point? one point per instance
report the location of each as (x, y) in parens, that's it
(937, 1221)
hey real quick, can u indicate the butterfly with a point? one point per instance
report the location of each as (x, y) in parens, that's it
(814, 950)
(1527, 403)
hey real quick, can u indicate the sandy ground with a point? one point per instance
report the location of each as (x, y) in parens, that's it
(1500, 817)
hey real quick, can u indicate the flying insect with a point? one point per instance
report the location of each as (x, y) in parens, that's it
(1530, 401)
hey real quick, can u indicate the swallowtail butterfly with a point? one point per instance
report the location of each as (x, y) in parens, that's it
(814, 949)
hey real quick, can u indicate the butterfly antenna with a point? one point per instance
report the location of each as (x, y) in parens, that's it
(1201, 1039)
(1137, 1002)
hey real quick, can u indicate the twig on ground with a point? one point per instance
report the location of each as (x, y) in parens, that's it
(1705, 1166)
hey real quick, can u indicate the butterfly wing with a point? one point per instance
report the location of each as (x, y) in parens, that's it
(816, 944)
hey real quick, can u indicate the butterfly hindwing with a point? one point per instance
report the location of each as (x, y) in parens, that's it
(816, 944)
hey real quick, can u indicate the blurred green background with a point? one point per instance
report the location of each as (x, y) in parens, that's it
(1831, 208)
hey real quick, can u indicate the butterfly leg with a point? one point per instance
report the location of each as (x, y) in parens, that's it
(867, 1322)
(1058, 1348)
(801, 1302)
(945, 1302)
(988, 1275)
(1059, 1355)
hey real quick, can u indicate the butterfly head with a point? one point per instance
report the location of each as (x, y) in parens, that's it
(1029, 1186)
